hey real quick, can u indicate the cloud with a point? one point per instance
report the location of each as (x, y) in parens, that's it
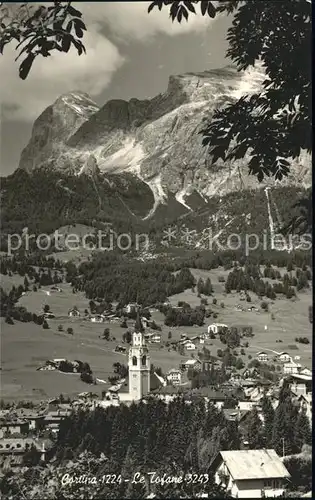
(61, 73)
(130, 20)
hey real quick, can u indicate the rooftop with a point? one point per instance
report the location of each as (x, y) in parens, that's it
(254, 464)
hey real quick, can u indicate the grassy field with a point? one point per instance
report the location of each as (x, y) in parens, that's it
(25, 346)
(7, 282)
(291, 317)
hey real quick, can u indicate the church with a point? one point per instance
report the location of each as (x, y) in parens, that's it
(141, 380)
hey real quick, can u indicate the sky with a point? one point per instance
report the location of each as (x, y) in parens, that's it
(129, 53)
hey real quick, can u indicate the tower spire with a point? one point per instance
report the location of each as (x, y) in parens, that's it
(138, 324)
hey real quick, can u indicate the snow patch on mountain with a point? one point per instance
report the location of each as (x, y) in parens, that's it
(81, 104)
(160, 197)
(180, 197)
(128, 158)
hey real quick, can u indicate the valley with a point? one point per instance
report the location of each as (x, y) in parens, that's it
(26, 346)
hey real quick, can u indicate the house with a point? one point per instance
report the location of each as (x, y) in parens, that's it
(217, 328)
(145, 321)
(234, 415)
(300, 384)
(211, 395)
(284, 357)
(174, 376)
(189, 345)
(262, 357)
(97, 318)
(121, 349)
(34, 418)
(192, 364)
(153, 338)
(168, 393)
(73, 312)
(306, 403)
(291, 368)
(12, 425)
(250, 473)
(53, 418)
(131, 308)
(49, 315)
(306, 371)
(250, 373)
(17, 445)
(246, 405)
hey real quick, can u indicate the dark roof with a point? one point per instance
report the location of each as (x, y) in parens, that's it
(234, 413)
(170, 389)
(209, 392)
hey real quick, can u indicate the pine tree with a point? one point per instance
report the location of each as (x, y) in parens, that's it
(268, 414)
(26, 284)
(255, 435)
(303, 432)
(284, 423)
(208, 287)
(200, 286)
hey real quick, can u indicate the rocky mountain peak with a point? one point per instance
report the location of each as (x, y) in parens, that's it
(157, 140)
(56, 123)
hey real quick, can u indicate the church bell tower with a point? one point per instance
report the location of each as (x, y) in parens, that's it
(139, 364)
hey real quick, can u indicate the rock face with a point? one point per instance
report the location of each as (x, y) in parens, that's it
(54, 126)
(157, 140)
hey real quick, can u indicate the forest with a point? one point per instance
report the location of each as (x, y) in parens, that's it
(175, 439)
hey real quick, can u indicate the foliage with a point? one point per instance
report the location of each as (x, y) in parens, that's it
(280, 114)
(41, 30)
(300, 468)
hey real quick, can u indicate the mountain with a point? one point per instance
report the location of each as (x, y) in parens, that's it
(156, 140)
(141, 167)
(53, 128)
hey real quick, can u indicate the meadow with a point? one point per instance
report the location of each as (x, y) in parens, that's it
(26, 346)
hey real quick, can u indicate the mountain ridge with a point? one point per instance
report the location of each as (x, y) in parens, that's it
(156, 140)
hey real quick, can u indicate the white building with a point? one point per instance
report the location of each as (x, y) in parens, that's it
(98, 318)
(262, 357)
(174, 376)
(73, 313)
(306, 371)
(306, 402)
(300, 384)
(216, 328)
(154, 338)
(130, 308)
(251, 473)
(189, 345)
(291, 368)
(284, 357)
(192, 364)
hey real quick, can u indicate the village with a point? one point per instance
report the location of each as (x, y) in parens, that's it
(35, 426)
(90, 355)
